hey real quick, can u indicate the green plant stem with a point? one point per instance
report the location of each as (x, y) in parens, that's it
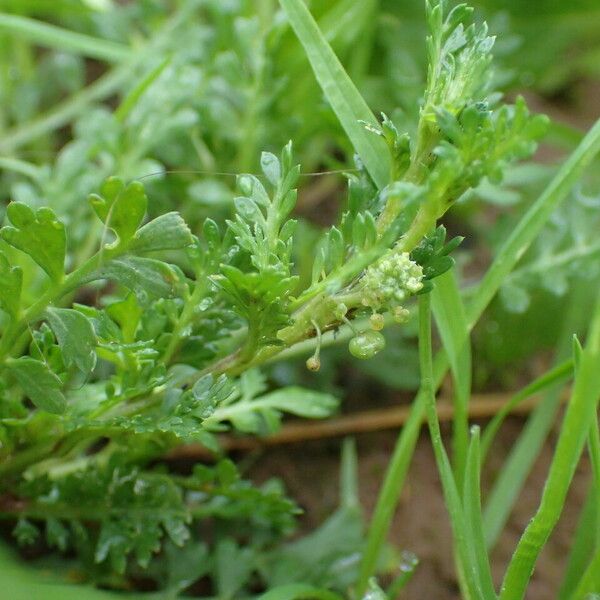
(574, 431)
(469, 576)
(185, 318)
(506, 259)
(51, 36)
(20, 166)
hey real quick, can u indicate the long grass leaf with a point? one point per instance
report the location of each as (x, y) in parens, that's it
(559, 374)
(583, 543)
(19, 582)
(461, 532)
(510, 481)
(473, 516)
(576, 425)
(51, 36)
(450, 317)
(590, 580)
(349, 476)
(346, 101)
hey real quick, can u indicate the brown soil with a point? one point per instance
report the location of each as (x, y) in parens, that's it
(421, 523)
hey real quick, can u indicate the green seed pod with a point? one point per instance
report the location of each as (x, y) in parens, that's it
(366, 344)
(313, 363)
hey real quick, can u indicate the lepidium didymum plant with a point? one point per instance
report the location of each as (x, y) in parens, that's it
(157, 338)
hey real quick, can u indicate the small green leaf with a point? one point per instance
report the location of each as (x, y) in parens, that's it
(146, 277)
(300, 402)
(25, 532)
(167, 232)
(39, 384)
(120, 207)
(57, 535)
(127, 313)
(37, 233)
(75, 336)
(11, 282)
(271, 167)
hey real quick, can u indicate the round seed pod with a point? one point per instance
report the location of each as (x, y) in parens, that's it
(401, 314)
(366, 344)
(313, 363)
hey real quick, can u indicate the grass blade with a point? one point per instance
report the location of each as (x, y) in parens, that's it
(346, 101)
(576, 425)
(509, 483)
(559, 374)
(450, 317)
(582, 546)
(51, 36)
(473, 516)
(465, 546)
(590, 581)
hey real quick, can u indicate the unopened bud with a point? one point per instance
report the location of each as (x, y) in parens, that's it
(377, 321)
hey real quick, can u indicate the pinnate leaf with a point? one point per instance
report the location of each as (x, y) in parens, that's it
(37, 233)
(167, 232)
(75, 336)
(39, 384)
(120, 207)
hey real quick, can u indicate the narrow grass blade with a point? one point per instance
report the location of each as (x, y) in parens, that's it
(590, 581)
(128, 103)
(576, 425)
(511, 479)
(51, 36)
(559, 374)
(464, 544)
(346, 101)
(450, 317)
(473, 516)
(582, 546)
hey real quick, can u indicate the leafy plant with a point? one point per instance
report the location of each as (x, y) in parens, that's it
(129, 328)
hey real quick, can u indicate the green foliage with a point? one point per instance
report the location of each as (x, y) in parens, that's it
(120, 207)
(39, 234)
(39, 383)
(156, 317)
(75, 336)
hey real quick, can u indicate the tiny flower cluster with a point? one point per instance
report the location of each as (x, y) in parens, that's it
(391, 280)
